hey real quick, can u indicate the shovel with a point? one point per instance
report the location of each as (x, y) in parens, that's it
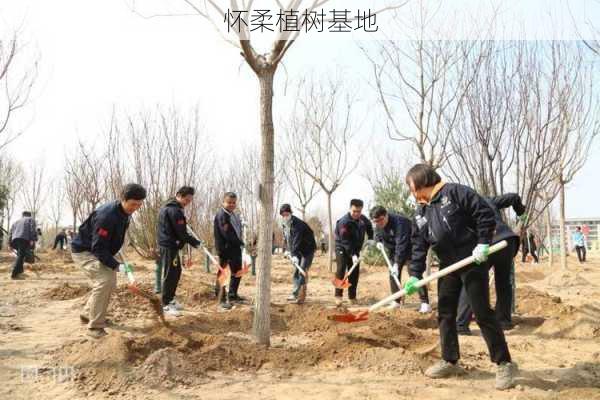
(364, 315)
(343, 283)
(381, 248)
(133, 288)
(299, 268)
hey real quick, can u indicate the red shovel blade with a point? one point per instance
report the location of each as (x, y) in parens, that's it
(341, 283)
(349, 317)
(222, 275)
(243, 271)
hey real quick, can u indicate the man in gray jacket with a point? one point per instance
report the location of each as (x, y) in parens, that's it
(22, 238)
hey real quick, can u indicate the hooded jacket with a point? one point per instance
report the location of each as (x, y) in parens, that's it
(172, 227)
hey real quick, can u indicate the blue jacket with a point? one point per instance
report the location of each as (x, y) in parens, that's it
(452, 224)
(350, 234)
(172, 227)
(103, 233)
(302, 239)
(395, 236)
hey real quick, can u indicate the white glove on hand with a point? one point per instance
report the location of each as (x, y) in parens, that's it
(286, 254)
(354, 259)
(481, 253)
(121, 268)
(395, 270)
(295, 260)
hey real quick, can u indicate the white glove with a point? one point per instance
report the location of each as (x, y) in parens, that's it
(481, 253)
(121, 268)
(354, 260)
(371, 242)
(395, 270)
(286, 254)
(295, 260)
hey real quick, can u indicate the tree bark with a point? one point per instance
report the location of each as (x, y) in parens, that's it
(563, 245)
(261, 325)
(331, 246)
(549, 236)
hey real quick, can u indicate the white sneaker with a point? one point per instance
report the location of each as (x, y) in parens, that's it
(176, 304)
(393, 305)
(171, 311)
(425, 308)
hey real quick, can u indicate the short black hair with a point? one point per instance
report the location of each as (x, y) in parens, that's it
(356, 203)
(578, 228)
(133, 191)
(229, 195)
(185, 191)
(285, 208)
(378, 211)
(422, 176)
(26, 214)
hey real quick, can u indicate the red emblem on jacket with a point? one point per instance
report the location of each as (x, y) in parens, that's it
(181, 222)
(103, 232)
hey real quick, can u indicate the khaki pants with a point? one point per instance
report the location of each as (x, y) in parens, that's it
(104, 281)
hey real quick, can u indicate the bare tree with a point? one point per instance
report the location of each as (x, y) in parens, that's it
(17, 77)
(320, 134)
(11, 180)
(57, 203)
(35, 190)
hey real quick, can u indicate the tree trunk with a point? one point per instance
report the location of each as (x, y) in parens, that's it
(331, 246)
(261, 325)
(549, 236)
(563, 245)
(74, 222)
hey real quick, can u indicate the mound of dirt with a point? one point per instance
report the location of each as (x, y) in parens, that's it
(66, 291)
(572, 323)
(532, 302)
(566, 279)
(126, 305)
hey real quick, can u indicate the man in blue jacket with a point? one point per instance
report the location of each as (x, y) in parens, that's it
(394, 231)
(350, 231)
(301, 244)
(98, 240)
(172, 236)
(456, 223)
(22, 238)
(502, 262)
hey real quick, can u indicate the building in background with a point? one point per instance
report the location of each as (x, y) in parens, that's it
(589, 226)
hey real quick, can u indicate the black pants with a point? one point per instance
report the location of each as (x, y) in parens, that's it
(171, 272)
(60, 242)
(344, 263)
(22, 247)
(502, 263)
(580, 253)
(533, 254)
(234, 261)
(423, 294)
(475, 280)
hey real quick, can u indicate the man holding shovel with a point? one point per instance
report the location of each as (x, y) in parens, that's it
(229, 243)
(22, 238)
(394, 231)
(302, 246)
(99, 238)
(456, 223)
(172, 236)
(350, 233)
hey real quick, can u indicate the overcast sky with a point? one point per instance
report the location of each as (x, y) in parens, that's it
(96, 55)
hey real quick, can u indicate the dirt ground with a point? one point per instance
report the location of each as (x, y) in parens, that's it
(207, 354)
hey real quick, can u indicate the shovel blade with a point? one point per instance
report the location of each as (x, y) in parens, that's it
(349, 317)
(243, 271)
(341, 283)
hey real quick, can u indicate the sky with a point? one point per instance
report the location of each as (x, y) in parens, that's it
(97, 56)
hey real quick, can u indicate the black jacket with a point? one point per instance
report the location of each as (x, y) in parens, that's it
(350, 234)
(227, 240)
(103, 233)
(503, 231)
(302, 239)
(395, 236)
(172, 227)
(453, 223)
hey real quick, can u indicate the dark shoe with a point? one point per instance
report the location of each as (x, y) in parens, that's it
(225, 306)
(96, 333)
(18, 277)
(237, 299)
(464, 331)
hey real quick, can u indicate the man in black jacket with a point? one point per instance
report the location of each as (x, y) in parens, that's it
(228, 241)
(502, 262)
(60, 240)
(456, 223)
(172, 236)
(301, 244)
(394, 231)
(98, 240)
(22, 237)
(350, 233)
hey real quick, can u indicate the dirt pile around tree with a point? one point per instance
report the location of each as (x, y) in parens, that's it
(67, 291)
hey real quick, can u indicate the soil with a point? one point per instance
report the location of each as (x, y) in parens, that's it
(208, 354)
